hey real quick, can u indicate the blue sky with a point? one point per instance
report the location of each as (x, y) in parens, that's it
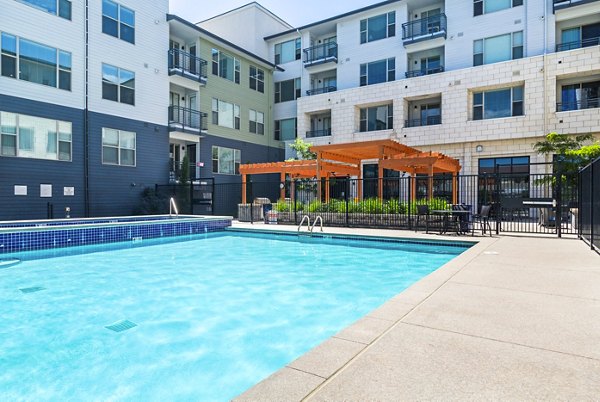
(295, 12)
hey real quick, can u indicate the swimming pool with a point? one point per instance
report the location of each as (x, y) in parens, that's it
(201, 318)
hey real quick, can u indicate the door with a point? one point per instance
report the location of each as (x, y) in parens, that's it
(174, 60)
(430, 114)
(329, 84)
(193, 117)
(430, 65)
(430, 21)
(174, 110)
(192, 155)
(590, 35)
(194, 68)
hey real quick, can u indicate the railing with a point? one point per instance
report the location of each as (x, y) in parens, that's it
(187, 64)
(589, 205)
(173, 207)
(578, 44)
(560, 4)
(322, 90)
(319, 54)
(184, 118)
(318, 133)
(590, 103)
(419, 73)
(428, 121)
(425, 27)
(176, 168)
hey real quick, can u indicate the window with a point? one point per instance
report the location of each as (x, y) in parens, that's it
(378, 71)
(257, 79)
(118, 21)
(35, 62)
(34, 137)
(579, 96)
(225, 114)
(287, 90)
(378, 27)
(118, 147)
(118, 85)
(287, 51)
(489, 6)
(62, 8)
(286, 129)
(226, 160)
(498, 48)
(498, 103)
(577, 37)
(257, 122)
(225, 66)
(377, 118)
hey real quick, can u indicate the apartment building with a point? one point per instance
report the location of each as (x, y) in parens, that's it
(83, 105)
(220, 105)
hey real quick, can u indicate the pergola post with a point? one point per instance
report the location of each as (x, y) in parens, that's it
(413, 184)
(359, 189)
(319, 176)
(282, 186)
(243, 189)
(380, 175)
(430, 183)
(454, 188)
(293, 190)
(327, 187)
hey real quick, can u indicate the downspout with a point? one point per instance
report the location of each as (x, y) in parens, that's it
(86, 128)
(544, 67)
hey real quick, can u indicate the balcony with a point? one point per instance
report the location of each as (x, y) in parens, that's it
(589, 103)
(419, 73)
(427, 121)
(562, 4)
(187, 65)
(318, 133)
(322, 90)
(578, 44)
(424, 29)
(181, 118)
(321, 54)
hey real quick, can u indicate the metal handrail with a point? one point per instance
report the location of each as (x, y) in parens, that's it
(427, 121)
(589, 103)
(424, 26)
(322, 90)
(323, 52)
(420, 73)
(317, 219)
(173, 206)
(307, 219)
(578, 44)
(187, 118)
(180, 60)
(318, 133)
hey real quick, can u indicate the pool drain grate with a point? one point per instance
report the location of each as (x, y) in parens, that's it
(121, 326)
(32, 289)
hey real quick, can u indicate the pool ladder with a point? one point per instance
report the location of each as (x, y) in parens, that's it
(310, 227)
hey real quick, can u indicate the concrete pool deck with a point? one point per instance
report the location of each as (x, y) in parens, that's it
(512, 318)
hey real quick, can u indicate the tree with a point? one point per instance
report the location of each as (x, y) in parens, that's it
(570, 152)
(184, 177)
(302, 149)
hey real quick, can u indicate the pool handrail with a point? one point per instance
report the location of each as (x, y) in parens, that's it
(173, 206)
(307, 219)
(317, 219)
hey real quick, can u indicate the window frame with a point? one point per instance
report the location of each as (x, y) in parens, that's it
(119, 148)
(297, 90)
(255, 79)
(235, 110)
(119, 21)
(363, 126)
(216, 65)
(390, 67)
(516, 99)
(479, 7)
(237, 158)
(516, 48)
(277, 129)
(59, 9)
(258, 127)
(297, 51)
(390, 27)
(118, 84)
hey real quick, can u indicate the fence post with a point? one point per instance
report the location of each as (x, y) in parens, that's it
(591, 167)
(295, 186)
(409, 202)
(251, 202)
(191, 197)
(498, 203)
(558, 217)
(346, 191)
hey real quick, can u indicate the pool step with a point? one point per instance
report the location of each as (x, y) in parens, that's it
(121, 326)
(9, 262)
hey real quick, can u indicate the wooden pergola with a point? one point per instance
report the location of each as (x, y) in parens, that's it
(346, 160)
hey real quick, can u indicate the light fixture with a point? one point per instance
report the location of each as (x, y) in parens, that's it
(479, 148)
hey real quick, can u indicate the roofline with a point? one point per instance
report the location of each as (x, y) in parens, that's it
(173, 17)
(349, 13)
(246, 5)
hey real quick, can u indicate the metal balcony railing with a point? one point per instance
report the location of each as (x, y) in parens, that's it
(561, 4)
(578, 44)
(187, 65)
(419, 73)
(184, 118)
(427, 121)
(590, 103)
(318, 133)
(425, 28)
(323, 90)
(319, 54)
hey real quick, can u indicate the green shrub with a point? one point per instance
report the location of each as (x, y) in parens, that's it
(288, 206)
(372, 206)
(314, 206)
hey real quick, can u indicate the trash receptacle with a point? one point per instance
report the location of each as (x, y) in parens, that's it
(266, 209)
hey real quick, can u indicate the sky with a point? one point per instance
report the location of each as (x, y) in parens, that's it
(294, 12)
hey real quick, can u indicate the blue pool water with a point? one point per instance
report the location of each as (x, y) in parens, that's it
(214, 314)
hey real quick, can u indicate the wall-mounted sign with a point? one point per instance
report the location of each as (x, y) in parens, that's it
(20, 190)
(45, 190)
(200, 164)
(69, 191)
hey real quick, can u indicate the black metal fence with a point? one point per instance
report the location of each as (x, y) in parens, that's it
(520, 203)
(589, 210)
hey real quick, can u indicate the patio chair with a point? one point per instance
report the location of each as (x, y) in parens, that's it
(422, 211)
(483, 220)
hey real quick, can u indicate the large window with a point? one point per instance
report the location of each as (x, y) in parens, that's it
(225, 114)
(498, 103)
(118, 85)
(118, 147)
(287, 51)
(34, 137)
(226, 160)
(35, 62)
(377, 118)
(62, 8)
(225, 66)
(489, 6)
(578, 96)
(378, 27)
(287, 90)
(581, 36)
(257, 122)
(257, 79)
(118, 21)
(498, 48)
(286, 129)
(378, 71)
